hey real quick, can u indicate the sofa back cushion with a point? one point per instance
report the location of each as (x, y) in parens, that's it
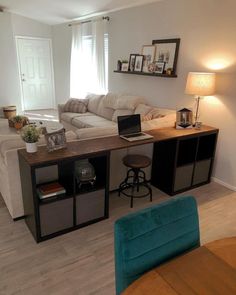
(128, 102)
(104, 111)
(109, 100)
(75, 105)
(121, 113)
(94, 101)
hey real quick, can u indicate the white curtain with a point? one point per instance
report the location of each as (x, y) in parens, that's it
(89, 58)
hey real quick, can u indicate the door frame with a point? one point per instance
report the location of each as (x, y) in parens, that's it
(18, 37)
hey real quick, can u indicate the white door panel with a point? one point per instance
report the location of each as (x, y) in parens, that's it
(36, 73)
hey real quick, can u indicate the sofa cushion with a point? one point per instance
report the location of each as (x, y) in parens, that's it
(91, 121)
(95, 132)
(75, 105)
(109, 100)
(121, 113)
(104, 111)
(67, 117)
(128, 102)
(93, 103)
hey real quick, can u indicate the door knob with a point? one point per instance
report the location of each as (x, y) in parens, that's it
(23, 80)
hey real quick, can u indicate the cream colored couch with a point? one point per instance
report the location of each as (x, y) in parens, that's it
(101, 116)
(96, 122)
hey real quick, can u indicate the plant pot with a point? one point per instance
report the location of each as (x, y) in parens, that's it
(18, 126)
(31, 147)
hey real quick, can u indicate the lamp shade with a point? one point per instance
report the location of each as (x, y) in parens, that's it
(201, 84)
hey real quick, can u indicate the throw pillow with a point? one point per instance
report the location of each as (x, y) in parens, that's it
(75, 105)
(142, 109)
(153, 114)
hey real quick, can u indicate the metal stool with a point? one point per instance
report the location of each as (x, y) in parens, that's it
(138, 177)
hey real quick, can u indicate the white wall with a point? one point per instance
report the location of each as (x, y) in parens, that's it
(61, 57)
(12, 25)
(208, 41)
(23, 26)
(9, 87)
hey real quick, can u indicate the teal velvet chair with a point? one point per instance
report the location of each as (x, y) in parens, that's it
(147, 238)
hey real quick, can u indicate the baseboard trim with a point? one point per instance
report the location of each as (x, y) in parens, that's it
(233, 188)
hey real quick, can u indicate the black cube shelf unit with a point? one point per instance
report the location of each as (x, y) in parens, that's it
(182, 159)
(183, 163)
(75, 209)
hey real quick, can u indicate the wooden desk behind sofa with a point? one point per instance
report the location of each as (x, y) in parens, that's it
(182, 159)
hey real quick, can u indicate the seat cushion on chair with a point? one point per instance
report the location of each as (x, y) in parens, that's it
(149, 237)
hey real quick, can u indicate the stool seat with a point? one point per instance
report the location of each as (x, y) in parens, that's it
(135, 178)
(136, 161)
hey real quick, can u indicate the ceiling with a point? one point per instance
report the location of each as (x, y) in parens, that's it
(59, 11)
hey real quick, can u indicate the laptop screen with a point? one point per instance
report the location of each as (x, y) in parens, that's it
(129, 124)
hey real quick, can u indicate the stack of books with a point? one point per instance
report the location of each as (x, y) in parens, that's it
(50, 190)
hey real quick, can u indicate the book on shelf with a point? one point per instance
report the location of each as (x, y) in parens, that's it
(50, 190)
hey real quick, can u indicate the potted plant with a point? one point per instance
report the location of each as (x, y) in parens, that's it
(30, 134)
(18, 122)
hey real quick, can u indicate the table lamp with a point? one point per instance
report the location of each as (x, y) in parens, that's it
(200, 84)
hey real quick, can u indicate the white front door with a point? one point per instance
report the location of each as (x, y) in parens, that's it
(36, 73)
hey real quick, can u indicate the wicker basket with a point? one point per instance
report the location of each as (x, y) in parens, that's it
(9, 111)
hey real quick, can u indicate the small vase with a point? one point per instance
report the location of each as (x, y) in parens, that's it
(31, 147)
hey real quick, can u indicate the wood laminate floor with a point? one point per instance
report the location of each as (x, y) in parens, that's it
(81, 262)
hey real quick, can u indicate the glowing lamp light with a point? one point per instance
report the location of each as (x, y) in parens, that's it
(200, 84)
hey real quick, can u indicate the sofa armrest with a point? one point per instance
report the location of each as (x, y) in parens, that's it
(60, 109)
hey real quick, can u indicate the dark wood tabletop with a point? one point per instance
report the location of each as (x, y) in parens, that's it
(89, 147)
(207, 270)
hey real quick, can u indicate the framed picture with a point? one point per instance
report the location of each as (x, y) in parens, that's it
(138, 66)
(167, 51)
(148, 52)
(132, 61)
(55, 140)
(159, 67)
(124, 67)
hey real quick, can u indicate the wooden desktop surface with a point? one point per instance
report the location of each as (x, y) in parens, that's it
(89, 147)
(208, 270)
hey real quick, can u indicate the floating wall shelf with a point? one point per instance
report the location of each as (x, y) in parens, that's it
(147, 74)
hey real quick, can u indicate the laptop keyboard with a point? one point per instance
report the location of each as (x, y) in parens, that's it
(133, 135)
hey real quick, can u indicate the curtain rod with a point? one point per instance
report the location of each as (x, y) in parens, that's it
(88, 21)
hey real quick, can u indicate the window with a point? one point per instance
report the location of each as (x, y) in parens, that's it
(89, 60)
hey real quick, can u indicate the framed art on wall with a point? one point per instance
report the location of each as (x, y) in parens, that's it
(159, 67)
(167, 51)
(138, 67)
(132, 61)
(148, 52)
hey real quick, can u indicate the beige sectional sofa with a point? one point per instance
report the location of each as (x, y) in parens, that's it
(98, 120)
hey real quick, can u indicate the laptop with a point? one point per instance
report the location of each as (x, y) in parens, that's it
(129, 128)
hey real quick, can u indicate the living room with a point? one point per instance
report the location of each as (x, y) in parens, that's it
(81, 262)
